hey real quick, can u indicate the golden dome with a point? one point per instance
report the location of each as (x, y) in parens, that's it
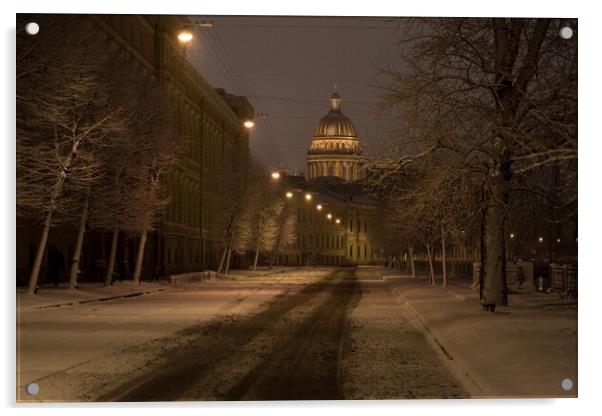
(335, 123)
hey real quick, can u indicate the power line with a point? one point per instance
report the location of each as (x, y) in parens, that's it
(269, 130)
(329, 27)
(234, 75)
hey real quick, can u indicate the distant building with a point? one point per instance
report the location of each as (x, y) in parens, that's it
(336, 222)
(335, 149)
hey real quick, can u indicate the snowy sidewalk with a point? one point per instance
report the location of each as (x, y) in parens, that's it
(525, 350)
(50, 296)
(58, 296)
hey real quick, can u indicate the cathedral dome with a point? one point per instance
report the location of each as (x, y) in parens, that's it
(335, 123)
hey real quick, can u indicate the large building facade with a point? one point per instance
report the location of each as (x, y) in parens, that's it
(336, 223)
(187, 237)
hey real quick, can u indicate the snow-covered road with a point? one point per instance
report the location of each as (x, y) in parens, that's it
(312, 334)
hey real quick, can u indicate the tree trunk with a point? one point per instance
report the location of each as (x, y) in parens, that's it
(222, 260)
(259, 232)
(112, 255)
(37, 264)
(493, 290)
(412, 264)
(256, 258)
(276, 251)
(140, 257)
(443, 257)
(78, 245)
(429, 254)
(227, 270)
(273, 259)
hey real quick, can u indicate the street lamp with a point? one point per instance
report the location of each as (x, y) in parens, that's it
(319, 207)
(289, 195)
(329, 216)
(511, 235)
(249, 124)
(308, 196)
(338, 221)
(275, 175)
(540, 239)
(185, 36)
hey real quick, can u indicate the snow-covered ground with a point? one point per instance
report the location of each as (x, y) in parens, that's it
(65, 348)
(267, 334)
(389, 358)
(524, 350)
(61, 296)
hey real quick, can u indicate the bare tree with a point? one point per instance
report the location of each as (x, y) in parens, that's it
(267, 208)
(236, 201)
(158, 148)
(287, 233)
(498, 93)
(63, 117)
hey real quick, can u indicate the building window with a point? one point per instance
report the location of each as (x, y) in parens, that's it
(351, 250)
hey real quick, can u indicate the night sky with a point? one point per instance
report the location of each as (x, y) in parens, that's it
(288, 67)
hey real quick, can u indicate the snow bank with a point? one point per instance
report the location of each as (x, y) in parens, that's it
(525, 350)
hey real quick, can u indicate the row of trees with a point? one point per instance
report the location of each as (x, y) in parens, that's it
(488, 140)
(94, 140)
(254, 216)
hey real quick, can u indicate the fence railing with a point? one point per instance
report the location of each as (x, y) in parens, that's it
(562, 277)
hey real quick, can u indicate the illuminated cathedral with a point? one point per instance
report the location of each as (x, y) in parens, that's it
(335, 149)
(337, 224)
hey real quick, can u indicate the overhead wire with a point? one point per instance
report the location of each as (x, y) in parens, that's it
(234, 76)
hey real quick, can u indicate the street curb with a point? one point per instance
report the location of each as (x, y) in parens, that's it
(475, 387)
(95, 300)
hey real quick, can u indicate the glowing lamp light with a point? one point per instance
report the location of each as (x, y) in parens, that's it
(511, 235)
(319, 207)
(540, 239)
(289, 195)
(338, 221)
(329, 216)
(249, 124)
(185, 36)
(275, 175)
(308, 197)
(558, 240)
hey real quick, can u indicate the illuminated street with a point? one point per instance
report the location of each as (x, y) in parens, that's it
(302, 334)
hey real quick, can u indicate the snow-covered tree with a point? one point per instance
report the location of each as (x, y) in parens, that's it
(287, 233)
(501, 95)
(64, 119)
